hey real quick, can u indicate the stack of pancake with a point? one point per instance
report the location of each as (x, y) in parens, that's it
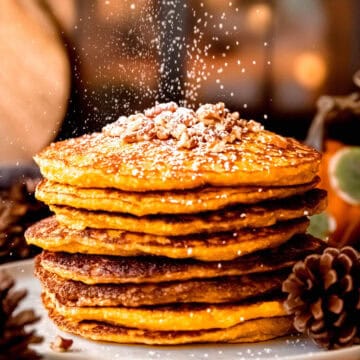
(174, 226)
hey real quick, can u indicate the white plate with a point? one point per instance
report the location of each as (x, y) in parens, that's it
(290, 348)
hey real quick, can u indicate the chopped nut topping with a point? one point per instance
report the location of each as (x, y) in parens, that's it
(211, 125)
(61, 344)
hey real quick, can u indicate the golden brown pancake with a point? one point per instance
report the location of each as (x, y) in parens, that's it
(50, 235)
(101, 269)
(98, 160)
(177, 317)
(248, 331)
(219, 290)
(229, 219)
(162, 202)
(174, 226)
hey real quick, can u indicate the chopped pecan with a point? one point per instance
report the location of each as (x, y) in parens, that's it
(61, 344)
(212, 126)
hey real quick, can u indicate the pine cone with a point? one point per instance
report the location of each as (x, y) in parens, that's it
(14, 339)
(18, 210)
(324, 296)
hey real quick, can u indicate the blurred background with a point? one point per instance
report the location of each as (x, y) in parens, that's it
(69, 67)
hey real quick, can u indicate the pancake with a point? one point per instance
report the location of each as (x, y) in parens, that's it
(215, 149)
(52, 236)
(227, 289)
(248, 331)
(178, 317)
(101, 269)
(229, 219)
(162, 202)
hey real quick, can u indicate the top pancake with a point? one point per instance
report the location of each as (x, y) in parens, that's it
(100, 160)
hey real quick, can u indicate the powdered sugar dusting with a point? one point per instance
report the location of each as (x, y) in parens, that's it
(211, 126)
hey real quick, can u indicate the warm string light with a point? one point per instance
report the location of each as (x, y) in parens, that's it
(309, 69)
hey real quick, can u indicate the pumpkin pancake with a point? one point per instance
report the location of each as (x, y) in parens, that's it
(208, 147)
(229, 219)
(162, 202)
(177, 317)
(50, 235)
(248, 331)
(102, 269)
(227, 289)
